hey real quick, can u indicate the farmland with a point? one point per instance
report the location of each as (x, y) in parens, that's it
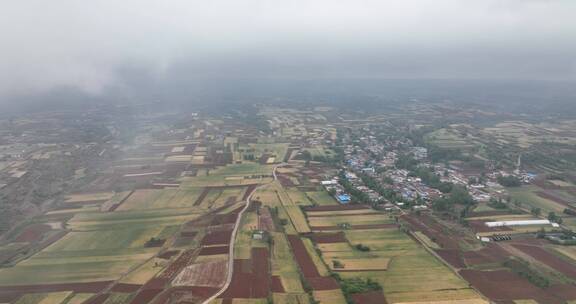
(200, 207)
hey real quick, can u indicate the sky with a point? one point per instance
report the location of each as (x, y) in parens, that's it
(90, 45)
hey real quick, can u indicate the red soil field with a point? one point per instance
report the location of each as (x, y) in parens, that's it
(145, 296)
(502, 285)
(225, 227)
(336, 207)
(490, 213)
(285, 181)
(371, 297)
(323, 283)
(155, 283)
(492, 253)
(33, 233)
(542, 183)
(250, 282)
(304, 260)
(127, 288)
(549, 259)
(214, 250)
(202, 196)
(554, 198)
(566, 292)
(217, 238)
(10, 293)
(327, 237)
(98, 299)
(452, 257)
(221, 219)
(432, 230)
(277, 284)
(184, 295)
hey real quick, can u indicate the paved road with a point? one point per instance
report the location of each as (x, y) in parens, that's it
(233, 237)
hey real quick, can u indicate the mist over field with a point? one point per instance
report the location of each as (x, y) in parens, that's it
(186, 51)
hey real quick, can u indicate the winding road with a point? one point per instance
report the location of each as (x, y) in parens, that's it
(233, 237)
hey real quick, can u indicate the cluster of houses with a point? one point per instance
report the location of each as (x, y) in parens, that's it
(375, 157)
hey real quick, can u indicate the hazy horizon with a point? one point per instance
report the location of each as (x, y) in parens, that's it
(106, 47)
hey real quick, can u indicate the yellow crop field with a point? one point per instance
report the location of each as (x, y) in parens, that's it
(329, 296)
(297, 218)
(361, 264)
(352, 220)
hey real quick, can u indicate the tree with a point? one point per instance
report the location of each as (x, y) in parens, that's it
(509, 181)
(535, 211)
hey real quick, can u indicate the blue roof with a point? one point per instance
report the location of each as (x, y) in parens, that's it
(344, 198)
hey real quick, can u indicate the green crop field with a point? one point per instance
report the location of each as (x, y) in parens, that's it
(105, 245)
(297, 218)
(161, 199)
(527, 196)
(284, 265)
(298, 197)
(322, 198)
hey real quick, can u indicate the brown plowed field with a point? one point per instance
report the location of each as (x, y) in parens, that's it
(189, 234)
(354, 227)
(225, 227)
(432, 230)
(277, 284)
(209, 274)
(145, 296)
(452, 257)
(217, 238)
(566, 291)
(304, 260)
(490, 213)
(323, 283)
(156, 283)
(33, 233)
(285, 181)
(502, 285)
(214, 250)
(223, 219)
(371, 297)
(554, 198)
(249, 190)
(250, 280)
(321, 238)
(549, 259)
(123, 287)
(492, 253)
(99, 299)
